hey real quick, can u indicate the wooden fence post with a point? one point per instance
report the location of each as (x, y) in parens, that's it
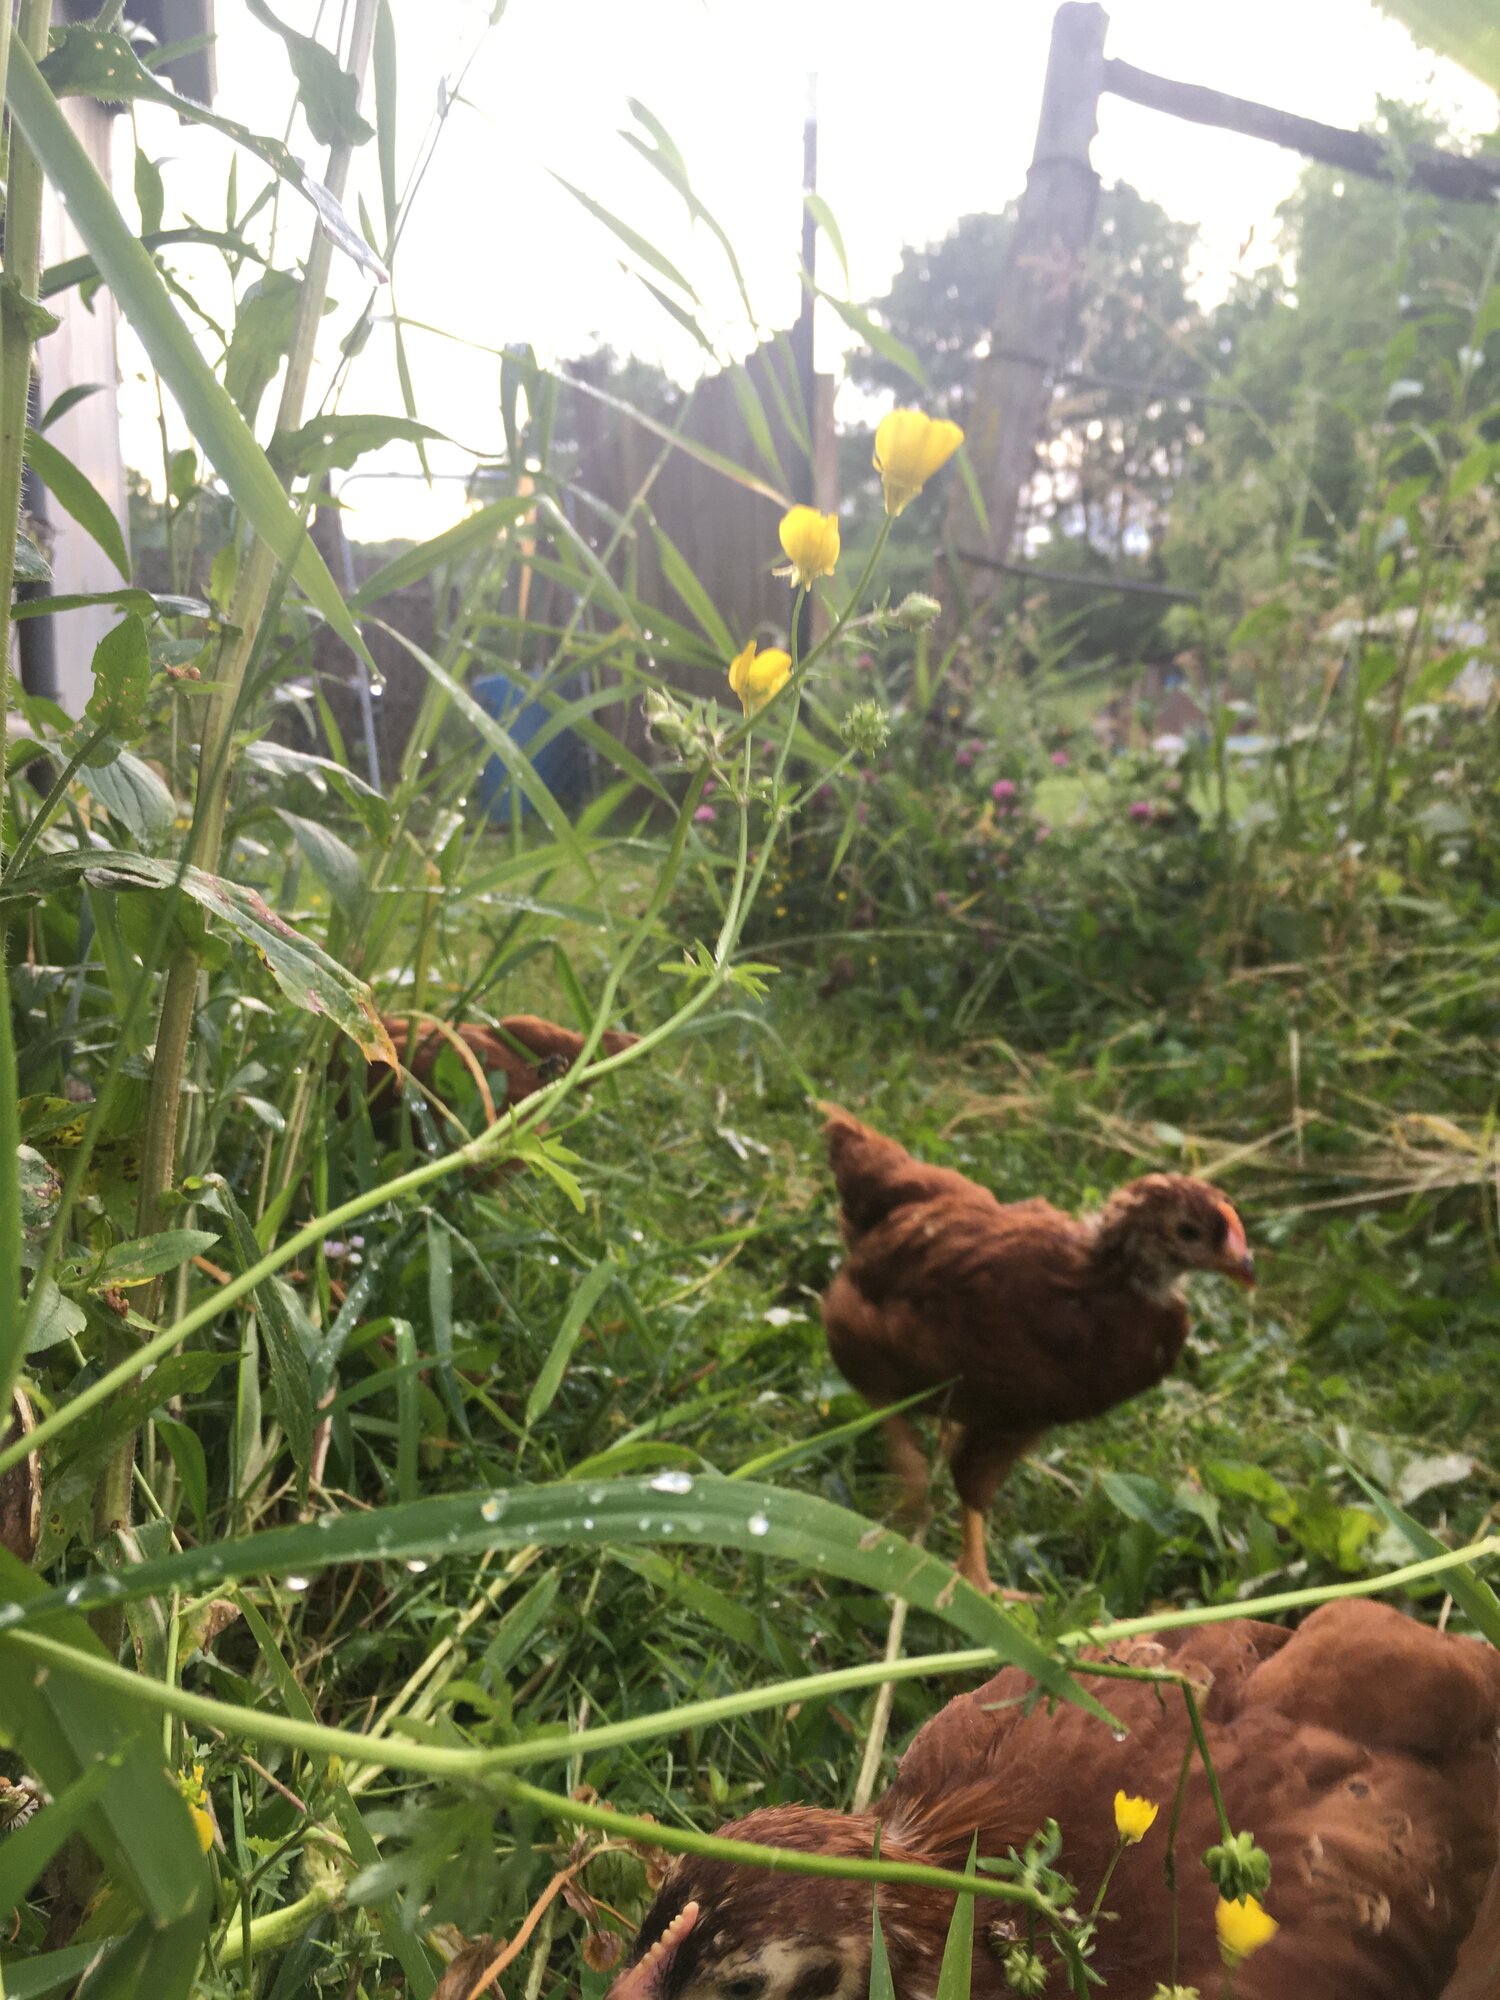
(1039, 295)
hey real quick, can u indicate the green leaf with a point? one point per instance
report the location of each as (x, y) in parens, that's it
(1464, 1585)
(515, 760)
(875, 336)
(631, 238)
(957, 1970)
(54, 1318)
(86, 63)
(139, 1824)
(150, 193)
(882, 1986)
(680, 574)
(334, 441)
(127, 269)
(327, 93)
(146, 1257)
(1465, 31)
(717, 1512)
(476, 532)
(823, 216)
(371, 808)
(40, 1186)
(122, 678)
(76, 494)
(67, 399)
(304, 971)
(130, 791)
(27, 1851)
(290, 1375)
(385, 68)
(549, 1381)
(31, 566)
(264, 326)
(335, 864)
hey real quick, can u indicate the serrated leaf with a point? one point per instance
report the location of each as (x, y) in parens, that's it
(122, 678)
(327, 94)
(338, 442)
(86, 63)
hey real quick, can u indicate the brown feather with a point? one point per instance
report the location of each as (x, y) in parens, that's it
(1034, 1318)
(511, 1062)
(1359, 1750)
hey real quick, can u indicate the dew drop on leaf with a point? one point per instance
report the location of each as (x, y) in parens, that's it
(672, 1482)
(758, 1524)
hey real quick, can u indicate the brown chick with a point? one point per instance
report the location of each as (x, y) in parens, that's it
(509, 1063)
(1034, 1318)
(1360, 1750)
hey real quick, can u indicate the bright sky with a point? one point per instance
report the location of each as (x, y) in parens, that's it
(926, 112)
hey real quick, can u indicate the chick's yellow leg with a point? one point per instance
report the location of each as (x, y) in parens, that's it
(980, 1461)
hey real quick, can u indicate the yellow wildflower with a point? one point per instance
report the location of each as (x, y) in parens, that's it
(1134, 1817)
(759, 677)
(909, 448)
(811, 543)
(1243, 1928)
(195, 1793)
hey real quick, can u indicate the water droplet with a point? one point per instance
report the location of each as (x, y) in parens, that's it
(492, 1509)
(296, 1583)
(588, 1521)
(672, 1482)
(758, 1525)
(10, 1614)
(667, 1528)
(1120, 1735)
(552, 1257)
(73, 1594)
(596, 1496)
(416, 1565)
(645, 1524)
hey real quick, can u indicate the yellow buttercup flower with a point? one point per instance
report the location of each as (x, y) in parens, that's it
(759, 677)
(1243, 1928)
(1134, 1817)
(811, 543)
(195, 1793)
(909, 448)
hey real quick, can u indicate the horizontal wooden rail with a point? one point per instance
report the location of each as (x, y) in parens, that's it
(1067, 579)
(1451, 175)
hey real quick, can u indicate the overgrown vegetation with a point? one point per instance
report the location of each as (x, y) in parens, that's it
(367, 1476)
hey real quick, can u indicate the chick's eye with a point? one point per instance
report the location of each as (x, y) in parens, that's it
(746, 1987)
(1189, 1232)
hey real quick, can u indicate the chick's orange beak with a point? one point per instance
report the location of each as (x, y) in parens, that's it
(643, 1980)
(1236, 1261)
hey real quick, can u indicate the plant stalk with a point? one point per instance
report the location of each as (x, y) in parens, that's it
(252, 595)
(23, 262)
